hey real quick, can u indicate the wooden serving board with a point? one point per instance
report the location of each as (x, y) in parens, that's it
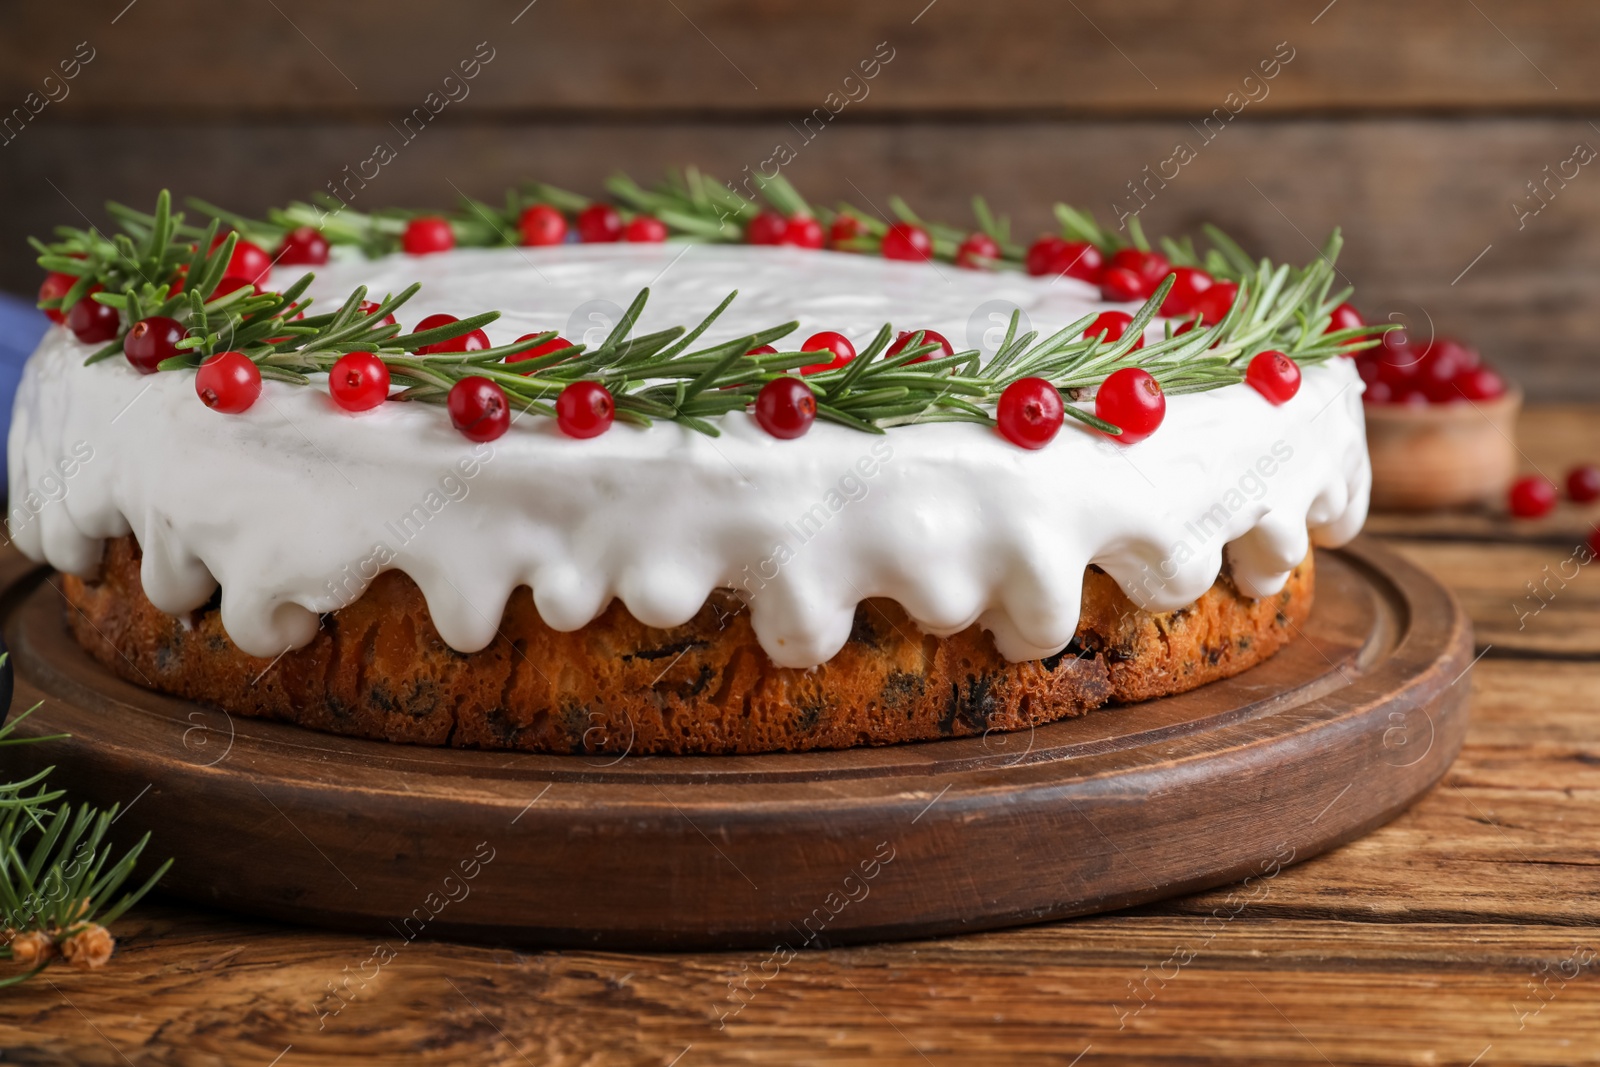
(1333, 736)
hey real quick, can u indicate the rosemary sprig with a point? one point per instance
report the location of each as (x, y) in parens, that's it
(663, 375)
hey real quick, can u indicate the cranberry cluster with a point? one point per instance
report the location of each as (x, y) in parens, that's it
(1534, 496)
(1441, 371)
(1131, 274)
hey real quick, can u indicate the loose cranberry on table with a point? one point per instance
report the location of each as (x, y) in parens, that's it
(828, 343)
(908, 242)
(977, 252)
(427, 235)
(1531, 497)
(1273, 375)
(92, 322)
(786, 408)
(467, 341)
(918, 338)
(599, 223)
(358, 381)
(585, 409)
(1132, 401)
(1109, 326)
(1030, 412)
(228, 382)
(1583, 483)
(1188, 285)
(303, 246)
(152, 340)
(541, 224)
(478, 408)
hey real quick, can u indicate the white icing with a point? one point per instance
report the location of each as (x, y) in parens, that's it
(294, 505)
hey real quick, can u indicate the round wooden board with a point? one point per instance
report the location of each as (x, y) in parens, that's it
(1330, 738)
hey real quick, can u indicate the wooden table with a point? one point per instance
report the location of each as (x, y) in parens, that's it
(1462, 933)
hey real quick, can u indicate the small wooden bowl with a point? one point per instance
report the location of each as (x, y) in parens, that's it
(1443, 455)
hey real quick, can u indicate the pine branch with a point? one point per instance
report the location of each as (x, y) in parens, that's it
(61, 882)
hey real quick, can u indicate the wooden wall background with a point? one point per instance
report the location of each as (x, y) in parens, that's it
(1416, 126)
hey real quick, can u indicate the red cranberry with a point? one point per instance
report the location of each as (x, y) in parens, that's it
(369, 307)
(905, 241)
(767, 228)
(786, 408)
(585, 409)
(303, 246)
(358, 381)
(845, 228)
(1054, 256)
(645, 229)
(1344, 317)
(555, 344)
(92, 322)
(1030, 412)
(803, 231)
(1112, 325)
(1121, 285)
(1583, 483)
(1187, 285)
(428, 234)
(55, 287)
(1480, 383)
(1133, 401)
(828, 342)
(977, 252)
(1214, 304)
(1379, 393)
(1151, 266)
(228, 382)
(541, 224)
(249, 261)
(152, 340)
(470, 341)
(1079, 259)
(478, 408)
(1531, 497)
(230, 285)
(599, 223)
(918, 338)
(1042, 255)
(1273, 375)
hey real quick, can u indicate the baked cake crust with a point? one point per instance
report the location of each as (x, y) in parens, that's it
(378, 669)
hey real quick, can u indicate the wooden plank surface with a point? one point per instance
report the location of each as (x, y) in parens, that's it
(1462, 933)
(1096, 57)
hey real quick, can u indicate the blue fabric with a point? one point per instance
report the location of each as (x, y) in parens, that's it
(21, 326)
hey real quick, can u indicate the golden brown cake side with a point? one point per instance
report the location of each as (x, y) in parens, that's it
(378, 669)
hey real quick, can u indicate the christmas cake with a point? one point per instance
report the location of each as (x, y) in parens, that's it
(720, 476)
